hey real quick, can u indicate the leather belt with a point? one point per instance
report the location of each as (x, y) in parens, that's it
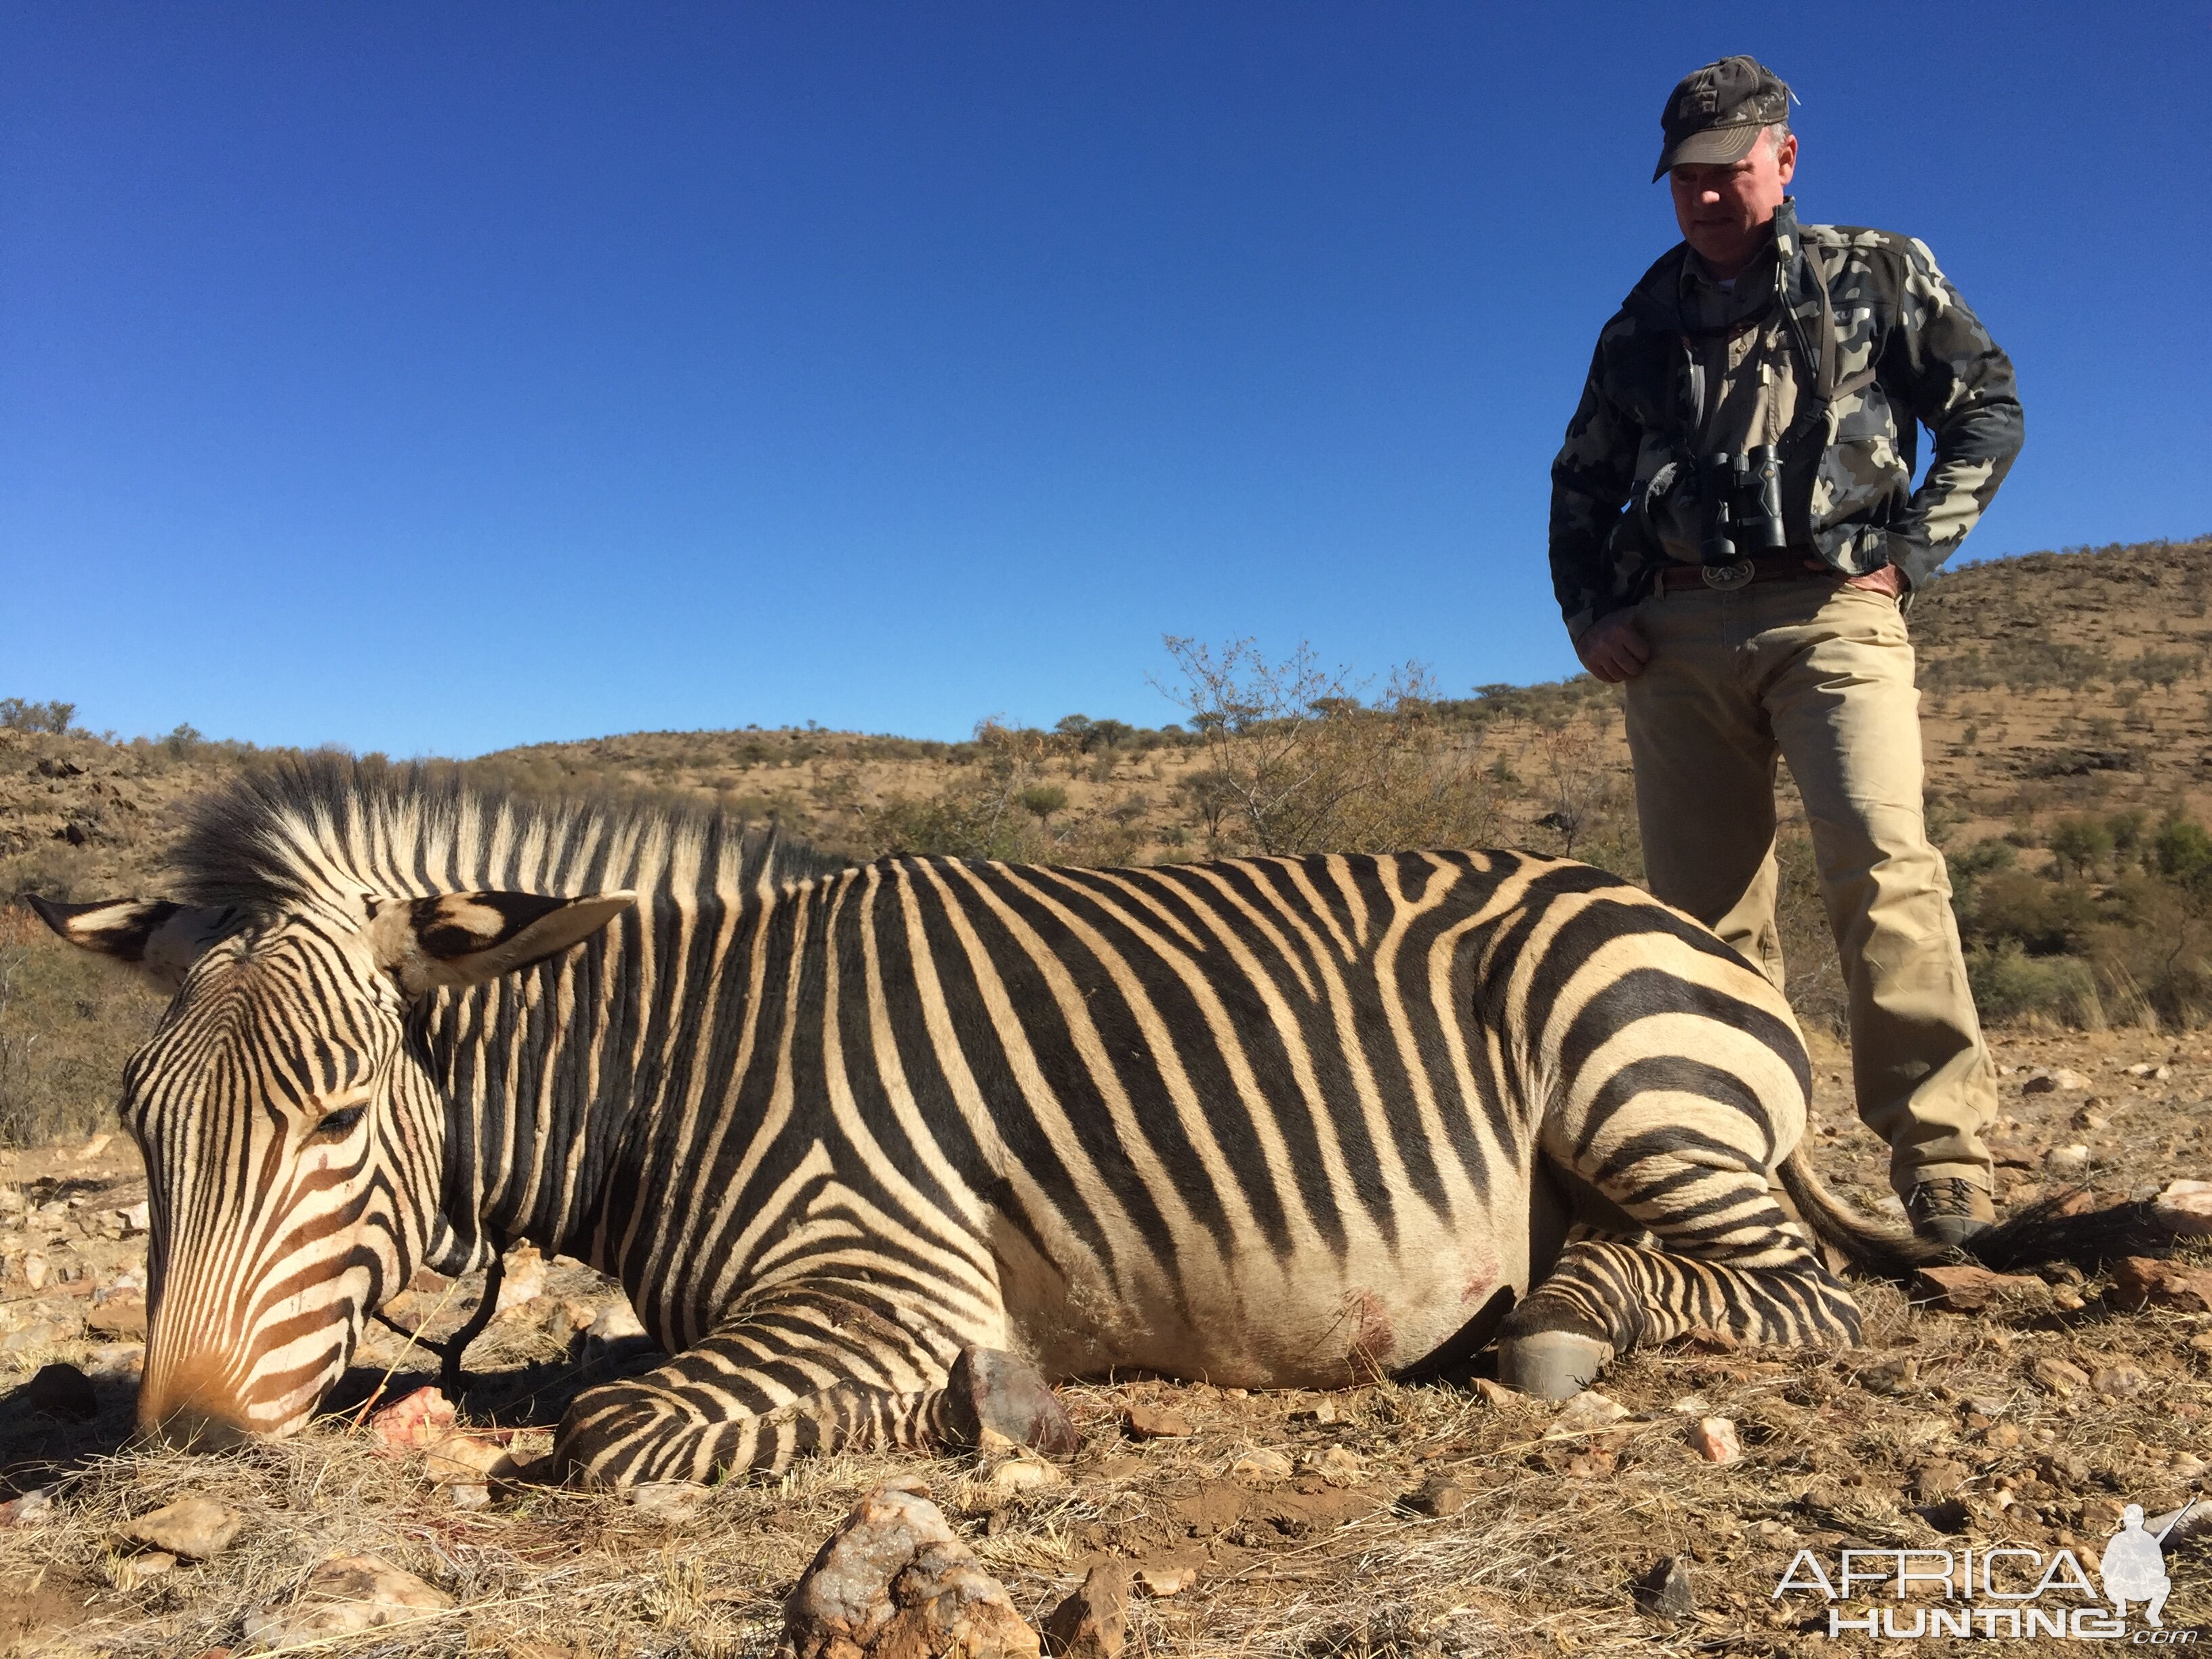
(1764, 568)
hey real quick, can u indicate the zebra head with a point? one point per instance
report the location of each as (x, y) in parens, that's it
(293, 1131)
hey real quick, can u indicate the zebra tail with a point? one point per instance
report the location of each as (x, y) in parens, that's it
(2033, 1235)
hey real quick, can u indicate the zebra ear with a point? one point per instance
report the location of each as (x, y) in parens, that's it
(162, 939)
(465, 939)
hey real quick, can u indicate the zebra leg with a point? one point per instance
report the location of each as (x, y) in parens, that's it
(800, 1373)
(1726, 1257)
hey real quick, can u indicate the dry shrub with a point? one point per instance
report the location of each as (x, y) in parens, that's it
(1000, 804)
(68, 1021)
(1296, 762)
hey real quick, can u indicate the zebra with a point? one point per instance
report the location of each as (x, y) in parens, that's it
(878, 1150)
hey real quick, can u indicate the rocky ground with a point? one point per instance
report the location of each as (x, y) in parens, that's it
(1441, 1518)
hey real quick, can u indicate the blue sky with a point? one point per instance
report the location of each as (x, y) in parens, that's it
(432, 379)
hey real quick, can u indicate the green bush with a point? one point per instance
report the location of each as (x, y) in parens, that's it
(2009, 984)
(2018, 908)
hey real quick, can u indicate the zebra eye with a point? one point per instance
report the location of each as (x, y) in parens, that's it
(335, 1125)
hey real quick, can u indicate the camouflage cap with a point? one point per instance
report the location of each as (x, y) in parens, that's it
(1716, 114)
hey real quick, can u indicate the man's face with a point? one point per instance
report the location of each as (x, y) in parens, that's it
(1723, 209)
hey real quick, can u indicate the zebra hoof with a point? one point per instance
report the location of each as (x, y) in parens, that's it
(991, 1390)
(1551, 1364)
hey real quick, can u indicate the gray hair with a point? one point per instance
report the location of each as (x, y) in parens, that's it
(1777, 135)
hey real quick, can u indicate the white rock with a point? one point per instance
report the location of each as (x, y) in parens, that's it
(524, 1280)
(1261, 1464)
(2186, 1206)
(1024, 1473)
(346, 1594)
(194, 1527)
(673, 1501)
(895, 1579)
(1337, 1465)
(1588, 1413)
(2067, 1158)
(1714, 1439)
(616, 1322)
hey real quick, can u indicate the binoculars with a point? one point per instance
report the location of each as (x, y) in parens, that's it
(1740, 499)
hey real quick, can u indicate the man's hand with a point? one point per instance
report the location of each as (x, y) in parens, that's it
(1613, 648)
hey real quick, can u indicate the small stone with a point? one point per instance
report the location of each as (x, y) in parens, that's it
(118, 1320)
(2140, 1068)
(94, 1147)
(2001, 1436)
(1024, 1473)
(672, 1502)
(1337, 1465)
(1891, 1377)
(35, 1268)
(525, 1278)
(2040, 1082)
(2140, 1281)
(1663, 1592)
(2186, 1208)
(1094, 1621)
(196, 1529)
(2058, 1377)
(1323, 1412)
(1969, 1290)
(138, 1219)
(128, 1573)
(1441, 1496)
(1164, 1581)
(1260, 1464)
(1714, 1439)
(2067, 1160)
(2118, 1381)
(463, 1459)
(1938, 1478)
(343, 1595)
(616, 1322)
(60, 1390)
(468, 1494)
(1588, 1413)
(2089, 1118)
(1156, 1422)
(1493, 1392)
(894, 1580)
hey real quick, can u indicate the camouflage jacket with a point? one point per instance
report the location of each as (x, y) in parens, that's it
(1883, 341)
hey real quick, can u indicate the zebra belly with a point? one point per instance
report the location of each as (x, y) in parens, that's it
(1314, 1317)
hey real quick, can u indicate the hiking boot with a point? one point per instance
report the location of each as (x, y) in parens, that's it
(1949, 1210)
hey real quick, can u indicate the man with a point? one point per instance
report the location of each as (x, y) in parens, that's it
(1734, 525)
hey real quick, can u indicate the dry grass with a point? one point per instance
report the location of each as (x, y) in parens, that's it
(1541, 1559)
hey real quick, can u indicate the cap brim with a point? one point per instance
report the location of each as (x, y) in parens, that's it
(1710, 147)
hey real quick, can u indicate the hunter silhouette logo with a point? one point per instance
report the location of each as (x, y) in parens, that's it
(2134, 1567)
(2003, 1590)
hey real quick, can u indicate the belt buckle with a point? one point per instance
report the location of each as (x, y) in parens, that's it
(1727, 577)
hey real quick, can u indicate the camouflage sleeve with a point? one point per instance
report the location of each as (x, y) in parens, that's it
(1591, 482)
(1954, 379)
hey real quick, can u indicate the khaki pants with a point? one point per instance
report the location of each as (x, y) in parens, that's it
(1821, 675)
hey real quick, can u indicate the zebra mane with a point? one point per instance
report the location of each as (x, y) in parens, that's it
(323, 829)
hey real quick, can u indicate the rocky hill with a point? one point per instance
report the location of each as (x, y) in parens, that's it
(2066, 714)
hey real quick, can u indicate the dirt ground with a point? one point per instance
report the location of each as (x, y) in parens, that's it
(1946, 1430)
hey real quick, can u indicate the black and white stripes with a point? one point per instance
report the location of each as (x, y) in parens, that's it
(842, 1133)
